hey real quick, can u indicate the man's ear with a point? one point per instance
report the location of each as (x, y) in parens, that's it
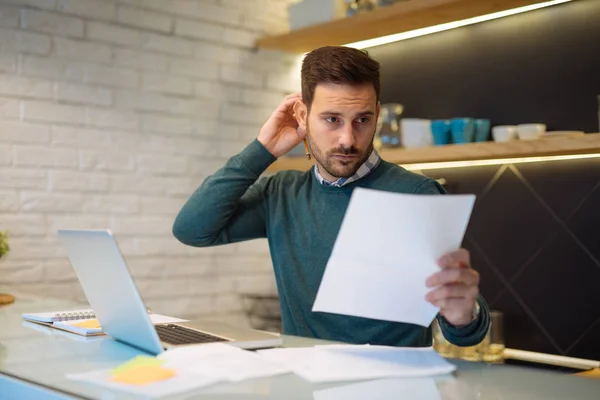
(301, 112)
(378, 110)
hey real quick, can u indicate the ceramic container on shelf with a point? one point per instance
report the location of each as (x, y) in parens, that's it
(440, 129)
(354, 7)
(388, 134)
(462, 129)
(531, 131)
(416, 132)
(312, 12)
(504, 133)
(482, 130)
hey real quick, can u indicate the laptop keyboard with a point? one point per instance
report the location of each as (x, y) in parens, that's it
(176, 334)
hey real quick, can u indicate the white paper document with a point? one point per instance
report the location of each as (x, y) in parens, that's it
(388, 245)
(183, 382)
(225, 362)
(164, 319)
(324, 364)
(196, 366)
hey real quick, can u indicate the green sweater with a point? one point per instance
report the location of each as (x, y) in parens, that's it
(301, 219)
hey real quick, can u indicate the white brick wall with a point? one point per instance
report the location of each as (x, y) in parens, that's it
(140, 60)
(198, 30)
(167, 84)
(112, 112)
(10, 108)
(144, 19)
(54, 68)
(52, 112)
(9, 17)
(98, 9)
(16, 132)
(70, 181)
(8, 63)
(117, 77)
(85, 94)
(77, 50)
(44, 157)
(13, 41)
(168, 44)
(43, 21)
(103, 32)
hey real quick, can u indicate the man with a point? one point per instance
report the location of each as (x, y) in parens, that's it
(301, 212)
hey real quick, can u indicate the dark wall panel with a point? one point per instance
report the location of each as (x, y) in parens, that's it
(535, 239)
(540, 66)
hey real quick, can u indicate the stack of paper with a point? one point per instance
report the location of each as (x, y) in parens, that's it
(183, 369)
(337, 363)
(222, 361)
(192, 367)
(145, 376)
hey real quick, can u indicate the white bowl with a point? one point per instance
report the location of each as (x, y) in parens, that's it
(531, 131)
(504, 133)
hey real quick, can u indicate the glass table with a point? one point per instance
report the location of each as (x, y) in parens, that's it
(34, 361)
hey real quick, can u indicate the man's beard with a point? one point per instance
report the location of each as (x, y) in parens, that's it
(338, 168)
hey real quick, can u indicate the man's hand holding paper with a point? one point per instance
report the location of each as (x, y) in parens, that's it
(393, 271)
(455, 288)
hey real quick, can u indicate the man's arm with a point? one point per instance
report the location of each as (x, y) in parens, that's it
(228, 207)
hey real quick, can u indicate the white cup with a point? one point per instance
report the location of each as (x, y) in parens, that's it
(504, 133)
(416, 132)
(531, 131)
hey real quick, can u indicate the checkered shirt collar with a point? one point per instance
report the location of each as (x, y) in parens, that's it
(365, 169)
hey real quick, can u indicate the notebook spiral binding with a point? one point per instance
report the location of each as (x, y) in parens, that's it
(67, 316)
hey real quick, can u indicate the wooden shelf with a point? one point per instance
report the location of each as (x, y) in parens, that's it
(548, 146)
(396, 18)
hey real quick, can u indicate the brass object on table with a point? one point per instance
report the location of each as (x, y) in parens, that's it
(6, 299)
(491, 349)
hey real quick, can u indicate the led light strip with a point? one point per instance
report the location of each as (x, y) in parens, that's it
(450, 25)
(496, 161)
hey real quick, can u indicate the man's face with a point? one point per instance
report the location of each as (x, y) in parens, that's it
(340, 125)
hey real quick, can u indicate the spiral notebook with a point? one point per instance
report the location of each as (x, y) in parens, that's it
(83, 322)
(60, 316)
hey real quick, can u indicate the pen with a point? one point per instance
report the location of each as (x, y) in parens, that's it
(306, 149)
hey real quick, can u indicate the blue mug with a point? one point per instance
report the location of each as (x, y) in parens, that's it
(463, 130)
(482, 130)
(440, 128)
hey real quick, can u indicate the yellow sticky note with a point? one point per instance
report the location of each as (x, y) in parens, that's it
(136, 362)
(144, 374)
(89, 324)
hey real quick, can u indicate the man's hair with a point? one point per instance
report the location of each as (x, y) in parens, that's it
(339, 65)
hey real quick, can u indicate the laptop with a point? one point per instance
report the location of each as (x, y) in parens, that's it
(118, 306)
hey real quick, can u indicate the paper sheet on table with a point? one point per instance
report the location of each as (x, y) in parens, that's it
(348, 363)
(387, 246)
(164, 319)
(222, 361)
(183, 382)
(382, 389)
